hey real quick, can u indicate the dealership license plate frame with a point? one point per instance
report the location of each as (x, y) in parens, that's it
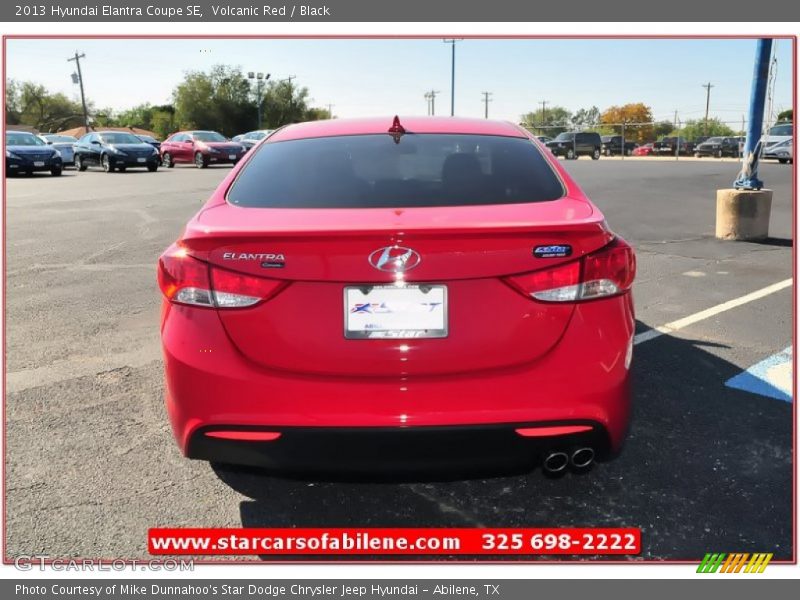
(385, 291)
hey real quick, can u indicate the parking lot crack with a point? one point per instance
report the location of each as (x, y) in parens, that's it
(445, 507)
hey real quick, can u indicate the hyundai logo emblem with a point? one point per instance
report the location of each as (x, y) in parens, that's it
(394, 259)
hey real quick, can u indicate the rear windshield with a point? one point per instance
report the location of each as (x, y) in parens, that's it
(371, 171)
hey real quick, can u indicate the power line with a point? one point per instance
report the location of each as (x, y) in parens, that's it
(486, 101)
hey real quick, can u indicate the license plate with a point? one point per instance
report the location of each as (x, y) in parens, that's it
(38, 163)
(231, 157)
(141, 160)
(396, 312)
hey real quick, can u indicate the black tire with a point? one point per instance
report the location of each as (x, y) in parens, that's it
(719, 154)
(783, 161)
(152, 168)
(199, 160)
(105, 162)
(608, 152)
(167, 161)
(596, 154)
(79, 164)
(56, 172)
(629, 152)
(570, 155)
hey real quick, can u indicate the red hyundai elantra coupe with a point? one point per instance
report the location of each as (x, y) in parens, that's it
(380, 283)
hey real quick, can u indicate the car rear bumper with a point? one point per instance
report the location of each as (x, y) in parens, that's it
(132, 162)
(211, 386)
(28, 166)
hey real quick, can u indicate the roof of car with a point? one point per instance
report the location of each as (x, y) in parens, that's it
(373, 125)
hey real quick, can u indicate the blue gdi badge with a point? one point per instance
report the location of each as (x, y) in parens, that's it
(552, 251)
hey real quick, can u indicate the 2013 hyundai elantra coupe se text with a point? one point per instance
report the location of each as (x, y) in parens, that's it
(385, 283)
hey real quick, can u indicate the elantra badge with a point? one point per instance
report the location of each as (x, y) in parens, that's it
(552, 251)
(394, 259)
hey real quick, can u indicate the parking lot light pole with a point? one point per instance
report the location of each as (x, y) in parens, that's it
(743, 212)
(748, 178)
(261, 80)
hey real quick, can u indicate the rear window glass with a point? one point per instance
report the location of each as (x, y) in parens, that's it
(371, 171)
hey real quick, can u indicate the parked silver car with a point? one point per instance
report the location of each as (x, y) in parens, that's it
(783, 151)
(62, 143)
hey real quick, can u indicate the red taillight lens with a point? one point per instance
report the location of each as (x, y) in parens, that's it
(234, 290)
(186, 280)
(607, 272)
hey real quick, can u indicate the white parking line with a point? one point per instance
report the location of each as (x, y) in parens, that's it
(652, 334)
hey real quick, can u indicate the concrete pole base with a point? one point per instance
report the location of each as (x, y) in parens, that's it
(743, 214)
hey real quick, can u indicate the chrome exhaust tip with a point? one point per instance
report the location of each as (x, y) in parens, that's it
(556, 462)
(582, 458)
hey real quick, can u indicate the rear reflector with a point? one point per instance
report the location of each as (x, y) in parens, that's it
(551, 431)
(187, 280)
(245, 436)
(606, 272)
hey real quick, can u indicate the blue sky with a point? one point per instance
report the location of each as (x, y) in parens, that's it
(376, 77)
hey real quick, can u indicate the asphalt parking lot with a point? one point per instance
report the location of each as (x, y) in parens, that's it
(91, 463)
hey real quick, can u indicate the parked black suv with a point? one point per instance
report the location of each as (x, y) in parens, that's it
(612, 144)
(719, 147)
(573, 144)
(669, 146)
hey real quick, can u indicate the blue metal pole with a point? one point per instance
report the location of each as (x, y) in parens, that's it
(748, 177)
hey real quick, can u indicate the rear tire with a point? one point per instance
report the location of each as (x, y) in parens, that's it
(199, 161)
(79, 164)
(596, 154)
(56, 172)
(152, 168)
(105, 162)
(570, 154)
(166, 160)
(719, 154)
(783, 161)
(629, 152)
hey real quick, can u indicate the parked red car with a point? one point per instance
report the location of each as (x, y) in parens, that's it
(202, 148)
(377, 283)
(645, 150)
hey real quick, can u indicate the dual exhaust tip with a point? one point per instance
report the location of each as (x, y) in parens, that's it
(578, 458)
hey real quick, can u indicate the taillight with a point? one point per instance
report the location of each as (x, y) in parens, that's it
(187, 280)
(607, 272)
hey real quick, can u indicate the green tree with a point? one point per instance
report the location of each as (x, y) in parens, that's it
(317, 114)
(662, 128)
(29, 103)
(550, 122)
(786, 115)
(284, 103)
(695, 128)
(219, 100)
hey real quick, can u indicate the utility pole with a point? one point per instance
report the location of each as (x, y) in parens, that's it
(544, 117)
(452, 42)
(291, 93)
(261, 80)
(708, 87)
(431, 98)
(675, 122)
(77, 58)
(486, 104)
